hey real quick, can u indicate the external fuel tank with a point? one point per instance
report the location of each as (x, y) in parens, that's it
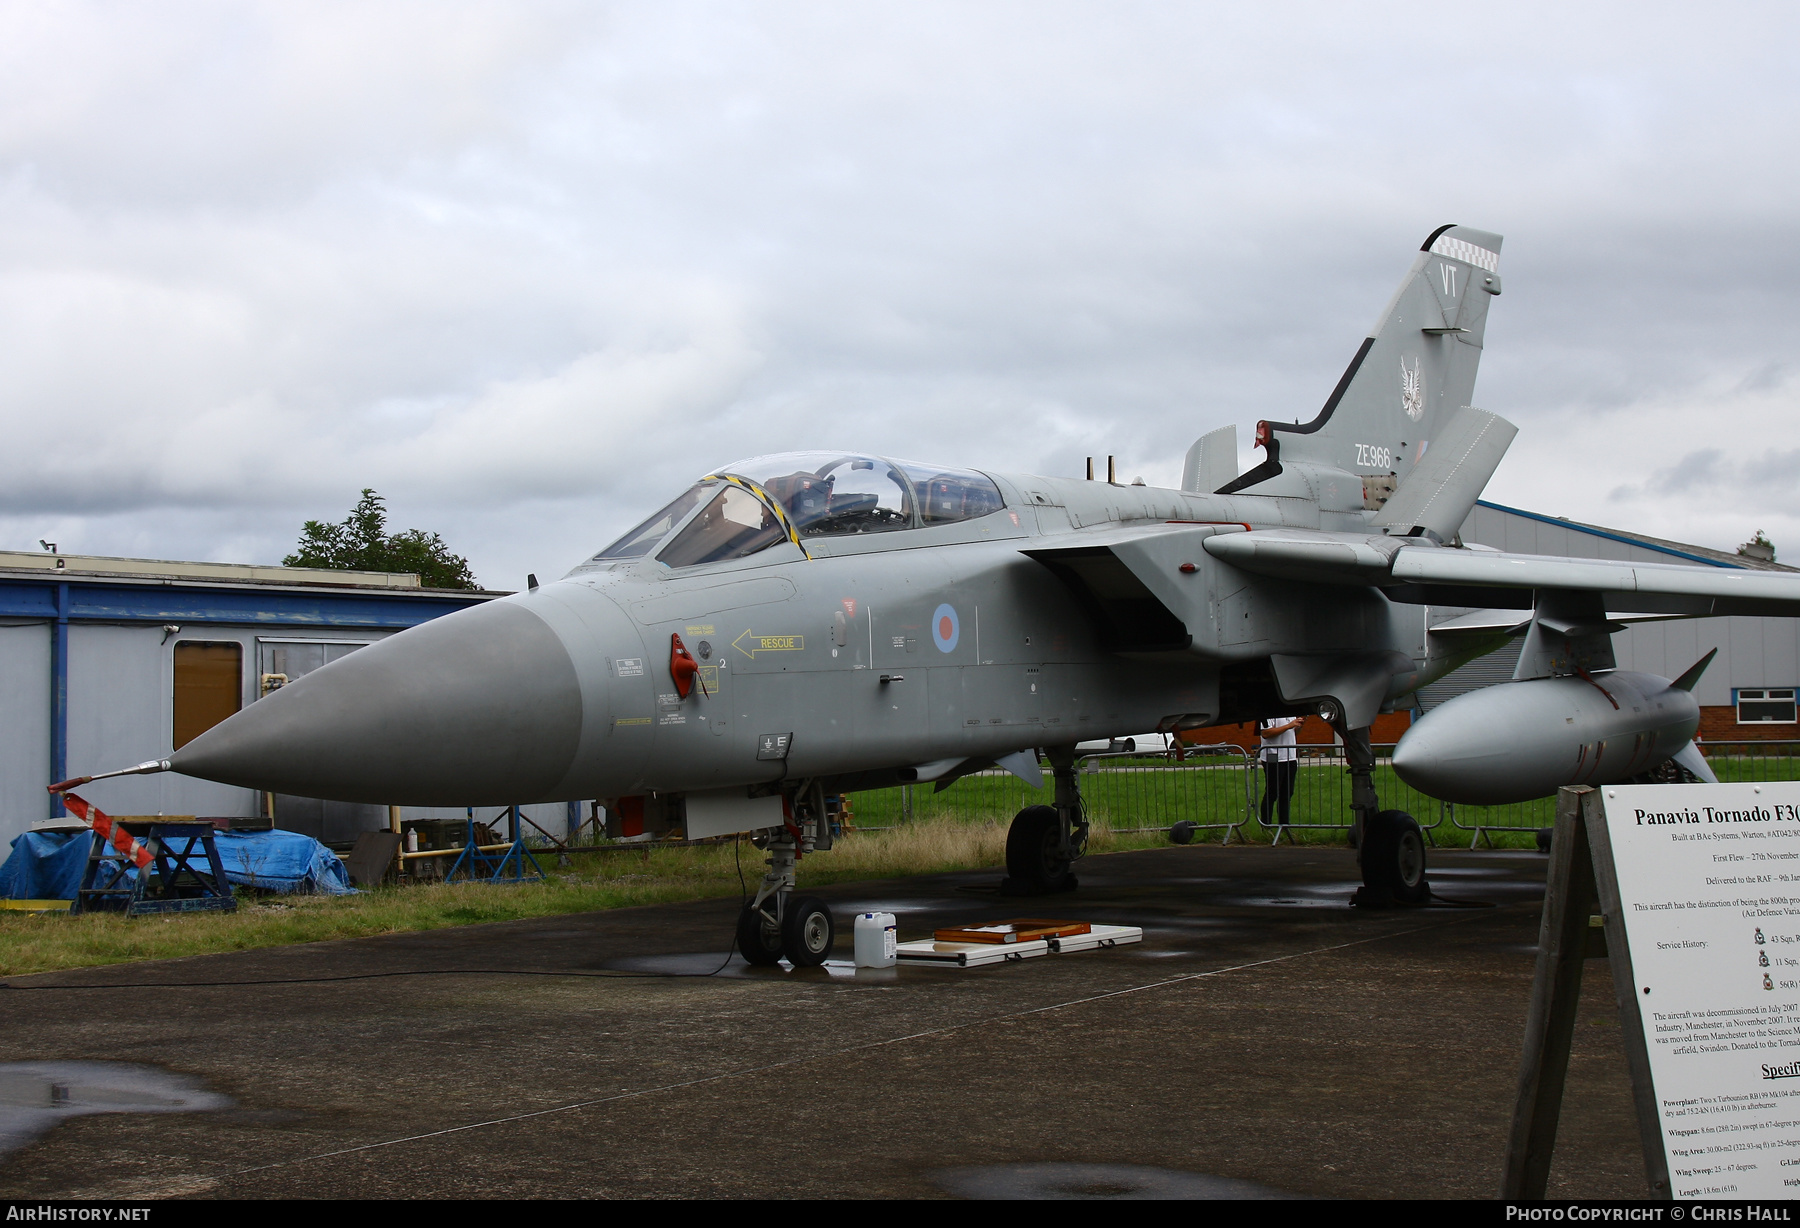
(1524, 740)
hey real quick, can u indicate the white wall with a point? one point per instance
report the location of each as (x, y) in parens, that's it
(24, 727)
(121, 712)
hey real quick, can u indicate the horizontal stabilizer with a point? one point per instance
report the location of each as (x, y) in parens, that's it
(1440, 492)
(1686, 681)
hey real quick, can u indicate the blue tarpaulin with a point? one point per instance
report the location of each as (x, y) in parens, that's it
(47, 865)
(282, 861)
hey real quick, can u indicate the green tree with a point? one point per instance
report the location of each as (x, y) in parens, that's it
(361, 542)
(1758, 547)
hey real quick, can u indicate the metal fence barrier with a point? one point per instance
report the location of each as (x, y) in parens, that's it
(1213, 782)
(1211, 786)
(1221, 788)
(1321, 799)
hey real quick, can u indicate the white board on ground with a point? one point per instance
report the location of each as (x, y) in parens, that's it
(1709, 887)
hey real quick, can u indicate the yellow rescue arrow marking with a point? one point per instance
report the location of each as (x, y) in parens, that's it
(768, 643)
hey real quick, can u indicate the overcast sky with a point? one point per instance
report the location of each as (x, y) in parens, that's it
(528, 269)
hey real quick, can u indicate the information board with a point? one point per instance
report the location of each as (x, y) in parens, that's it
(1708, 883)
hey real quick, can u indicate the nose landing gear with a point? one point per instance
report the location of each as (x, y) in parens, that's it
(777, 924)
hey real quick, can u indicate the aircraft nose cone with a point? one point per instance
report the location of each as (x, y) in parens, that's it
(481, 707)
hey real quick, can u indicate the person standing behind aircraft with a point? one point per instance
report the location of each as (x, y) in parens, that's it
(1281, 765)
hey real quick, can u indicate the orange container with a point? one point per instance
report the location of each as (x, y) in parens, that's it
(1023, 929)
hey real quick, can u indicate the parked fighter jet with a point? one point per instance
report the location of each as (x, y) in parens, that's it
(810, 623)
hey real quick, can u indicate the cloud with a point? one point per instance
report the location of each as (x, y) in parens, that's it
(1714, 495)
(528, 269)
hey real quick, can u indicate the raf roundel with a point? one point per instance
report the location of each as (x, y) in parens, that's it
(946, 628)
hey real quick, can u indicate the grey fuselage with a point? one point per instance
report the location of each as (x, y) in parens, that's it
(836, 667)
(1024, 666)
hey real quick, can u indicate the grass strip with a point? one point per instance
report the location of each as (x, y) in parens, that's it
(44, 942)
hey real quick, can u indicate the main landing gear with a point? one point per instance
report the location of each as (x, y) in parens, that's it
(1044, 841)
(1390, 848)
(777, 924)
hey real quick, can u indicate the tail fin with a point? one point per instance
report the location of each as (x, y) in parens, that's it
(1412, 374)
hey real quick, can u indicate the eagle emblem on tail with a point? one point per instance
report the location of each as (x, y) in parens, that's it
(1412, 389)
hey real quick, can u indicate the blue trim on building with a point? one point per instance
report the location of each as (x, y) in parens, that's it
(109, 601)
(1616, 537)
(59, 698)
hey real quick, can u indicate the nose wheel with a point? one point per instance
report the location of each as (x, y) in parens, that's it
(803, 934)
(777, 924)
(759, 937)
(807, 932)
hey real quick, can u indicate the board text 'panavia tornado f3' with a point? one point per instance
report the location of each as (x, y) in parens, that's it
(808, 623)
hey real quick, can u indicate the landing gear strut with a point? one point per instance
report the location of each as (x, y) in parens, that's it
(777, 924)
(1390, 848)
(1044, 841)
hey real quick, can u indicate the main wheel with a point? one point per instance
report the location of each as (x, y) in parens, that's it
(758, 938)
(1034, 862)
(807, 932)
(1393, 860)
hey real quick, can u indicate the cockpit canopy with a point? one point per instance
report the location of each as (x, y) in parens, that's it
(755, 503)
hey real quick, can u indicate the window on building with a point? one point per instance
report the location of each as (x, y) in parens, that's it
(209, 686)
(1765, 706)
(285, 661)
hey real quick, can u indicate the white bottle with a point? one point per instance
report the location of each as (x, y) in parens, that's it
(877, 936)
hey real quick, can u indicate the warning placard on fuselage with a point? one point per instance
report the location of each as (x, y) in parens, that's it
(1709, 887)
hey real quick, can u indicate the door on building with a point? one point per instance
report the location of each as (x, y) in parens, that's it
(209, 686)
(281, 661)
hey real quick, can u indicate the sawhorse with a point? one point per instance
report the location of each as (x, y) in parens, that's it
(173, 882)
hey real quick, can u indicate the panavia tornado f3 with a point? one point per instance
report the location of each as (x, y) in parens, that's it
(803, 624)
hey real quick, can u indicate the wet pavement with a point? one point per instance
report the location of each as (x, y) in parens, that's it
(1264, 1040)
